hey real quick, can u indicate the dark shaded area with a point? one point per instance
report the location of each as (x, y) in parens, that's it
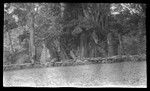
(86, 30)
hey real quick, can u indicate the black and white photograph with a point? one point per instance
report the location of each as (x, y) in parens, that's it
(79, 45)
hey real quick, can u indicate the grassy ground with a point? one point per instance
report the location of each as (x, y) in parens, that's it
(123, 74)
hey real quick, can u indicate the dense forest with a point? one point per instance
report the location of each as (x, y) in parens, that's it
(58, 32)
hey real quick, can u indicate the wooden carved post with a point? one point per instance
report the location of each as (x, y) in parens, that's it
(82, 45)
(45, 54)
(10, 42)
(120, 47)
(110, 46)
(113, 43)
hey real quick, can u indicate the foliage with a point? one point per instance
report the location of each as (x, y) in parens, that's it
(47, 21)
(79, 29)
(130, 23)
(15, 20)
(126, 15)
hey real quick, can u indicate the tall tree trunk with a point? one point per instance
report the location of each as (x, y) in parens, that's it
(31, 30)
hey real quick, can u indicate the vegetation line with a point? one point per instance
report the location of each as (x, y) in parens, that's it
(83, 61)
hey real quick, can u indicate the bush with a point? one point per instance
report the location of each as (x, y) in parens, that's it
(6, 55)
(133, 45)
